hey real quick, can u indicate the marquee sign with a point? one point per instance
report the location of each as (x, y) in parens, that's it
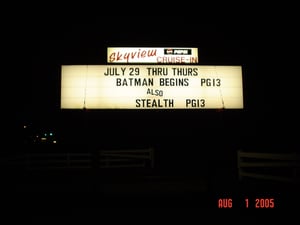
(167, 55)
(151, 87)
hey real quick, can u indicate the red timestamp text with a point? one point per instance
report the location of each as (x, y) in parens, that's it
(261, 203)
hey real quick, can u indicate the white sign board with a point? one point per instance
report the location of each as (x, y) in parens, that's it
(151, 87)
(168, 55)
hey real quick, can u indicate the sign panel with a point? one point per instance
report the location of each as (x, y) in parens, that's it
(168, 55)
(151, 87)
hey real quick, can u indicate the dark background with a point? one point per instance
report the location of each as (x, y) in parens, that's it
(188, 143)
(262, 44)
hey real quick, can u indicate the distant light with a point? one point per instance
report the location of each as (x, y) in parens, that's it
(54, 142)
(43, 139)
(25, 126)
(51, 134)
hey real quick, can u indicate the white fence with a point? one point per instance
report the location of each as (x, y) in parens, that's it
(283, 167)
(57, 161)
(124, 158)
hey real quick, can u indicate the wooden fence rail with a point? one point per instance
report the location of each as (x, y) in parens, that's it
(126, 158)
(123, 158)
(283, 167)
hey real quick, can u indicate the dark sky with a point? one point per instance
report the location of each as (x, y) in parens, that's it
(263, 43)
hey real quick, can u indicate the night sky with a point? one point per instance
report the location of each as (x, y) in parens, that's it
(43, 42)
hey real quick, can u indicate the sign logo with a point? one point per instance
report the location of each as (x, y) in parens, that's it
(170, 55)
(177, 51)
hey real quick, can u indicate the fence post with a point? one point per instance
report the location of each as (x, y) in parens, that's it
(152, 157)
(239, 165)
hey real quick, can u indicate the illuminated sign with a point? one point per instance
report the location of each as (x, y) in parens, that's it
(166, 55)
(151, 87)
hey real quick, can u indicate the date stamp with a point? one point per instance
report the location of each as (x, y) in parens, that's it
(257, 203)
(260, 203)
